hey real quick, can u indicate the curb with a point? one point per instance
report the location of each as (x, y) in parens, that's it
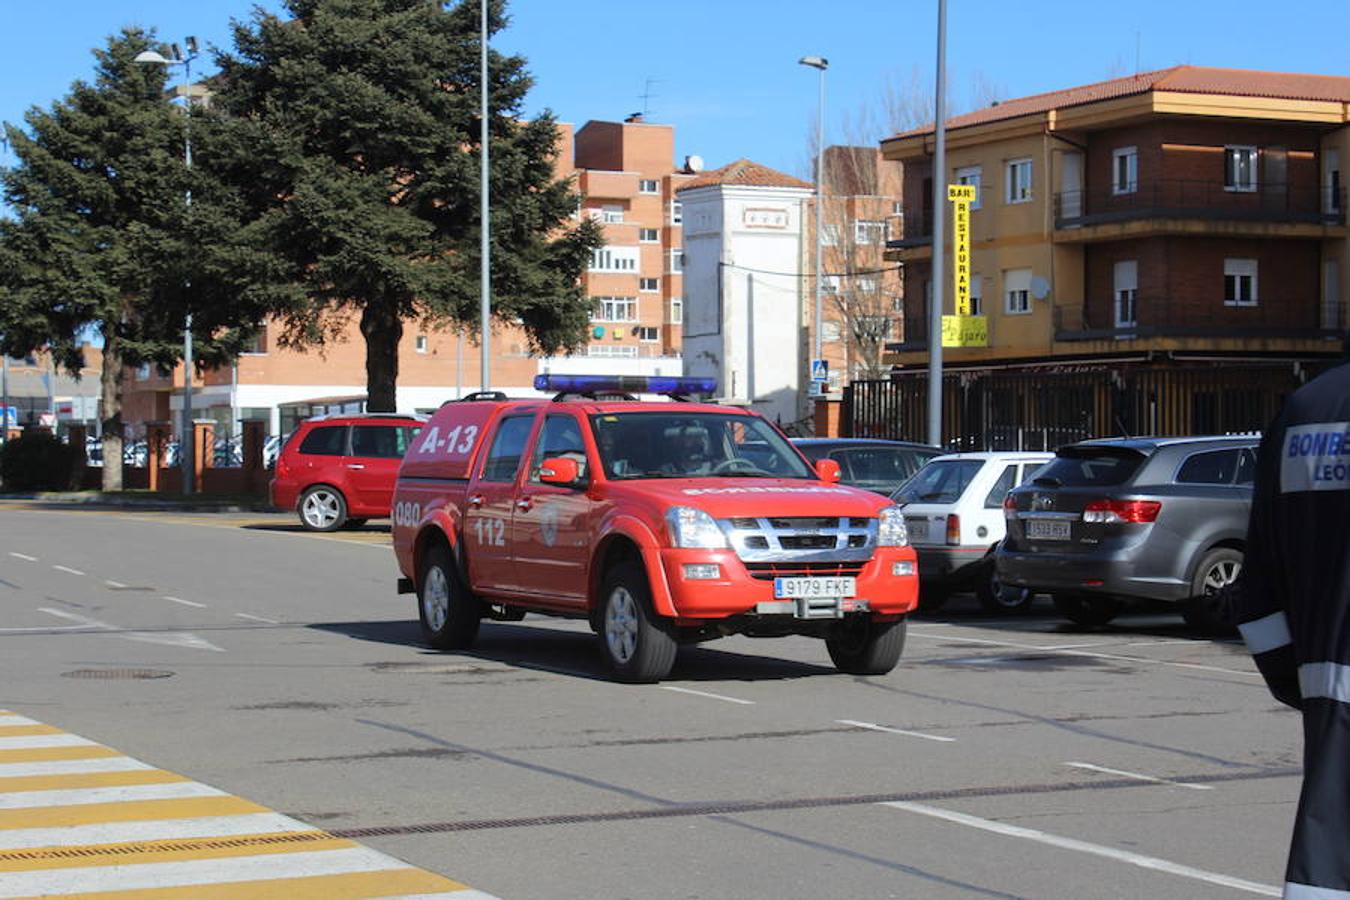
(98, 501)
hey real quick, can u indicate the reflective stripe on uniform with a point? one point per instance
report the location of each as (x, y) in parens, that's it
(1294, 891)
(1325, 679)
(1266, 634)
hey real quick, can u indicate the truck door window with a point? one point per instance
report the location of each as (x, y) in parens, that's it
(561, 436)
(508, 446)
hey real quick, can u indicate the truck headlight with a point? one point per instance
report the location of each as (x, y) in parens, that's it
(891, 530)
(694, 529)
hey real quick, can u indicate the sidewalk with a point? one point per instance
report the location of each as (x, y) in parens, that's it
(145, 500)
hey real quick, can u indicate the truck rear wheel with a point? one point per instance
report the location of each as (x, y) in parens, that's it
(448, 610)
(639, 647)
(864, 647)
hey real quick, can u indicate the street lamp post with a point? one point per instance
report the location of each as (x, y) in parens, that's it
(821, 64)
(939, 207)
(485, 246)
(152, 57)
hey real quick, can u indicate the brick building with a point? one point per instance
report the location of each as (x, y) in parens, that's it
(627, 179)
(1172, 246)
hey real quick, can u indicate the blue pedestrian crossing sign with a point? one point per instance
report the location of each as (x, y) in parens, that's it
(820, 371)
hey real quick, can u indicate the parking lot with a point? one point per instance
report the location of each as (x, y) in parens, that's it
(1005, 757)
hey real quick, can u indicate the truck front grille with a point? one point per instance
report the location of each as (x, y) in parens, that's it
(770, 571)
(802, 539)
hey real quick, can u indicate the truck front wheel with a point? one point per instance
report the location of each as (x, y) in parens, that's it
(863, 647)
(639, 647)
(447, 609)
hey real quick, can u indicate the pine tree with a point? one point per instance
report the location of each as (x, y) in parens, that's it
(102, 237)
(358, 140)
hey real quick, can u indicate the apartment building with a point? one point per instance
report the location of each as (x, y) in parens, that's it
(626, 176)
(1162, 253)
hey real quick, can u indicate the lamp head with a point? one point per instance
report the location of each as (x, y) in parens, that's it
(191, 41)
(815, 62)
(153, 57)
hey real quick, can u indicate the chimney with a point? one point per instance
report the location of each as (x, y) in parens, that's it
(633, 119)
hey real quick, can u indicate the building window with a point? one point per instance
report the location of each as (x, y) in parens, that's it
(676, 261)
(676, 310)
(612, 215)
(971, 175)
(143, 372)
(676, 212)
(1126, 282)
(614, 259)
(829, 235)
(1017, 291)
(897, 207)
(258, 343)
(611, 350)
(649, 186)
(1124, 170)
(867, 284)
(976, 296)
(1332, 164)
(648, 334)
(1239, 282)
(897, 304)
(1019, 181)
(1239, 168)
(649, 285)
(614, 309)
(420, 343)
(649, 236)
(865, 233)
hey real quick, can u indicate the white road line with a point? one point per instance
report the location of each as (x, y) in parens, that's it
(49, 628)
(35, 741)
(257, 618)
(1159, 643)
(1125, 856)
(71, 767)
(1139, 776)
(872, 726)
(149, 830)
(1088, 653)
(671, 687)
(144, 876)
(186, 602)
(16, 719)
(23, 556)
(68, 569)
(168, 638)
(114, 584)
(174, 790)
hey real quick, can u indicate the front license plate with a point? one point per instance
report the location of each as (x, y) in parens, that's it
(793, 588)
(1048, 529)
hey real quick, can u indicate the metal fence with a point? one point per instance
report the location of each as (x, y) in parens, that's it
(1040, 410)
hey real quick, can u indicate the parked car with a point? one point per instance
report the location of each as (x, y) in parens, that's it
(340, 470)
(1108, 523)
(869, 463)
(954, 512)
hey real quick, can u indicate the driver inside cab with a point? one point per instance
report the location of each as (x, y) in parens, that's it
(688, 451)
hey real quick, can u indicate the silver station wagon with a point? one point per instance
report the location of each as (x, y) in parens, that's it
(1110, 522)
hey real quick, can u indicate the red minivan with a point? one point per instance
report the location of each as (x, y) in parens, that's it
(337, 471)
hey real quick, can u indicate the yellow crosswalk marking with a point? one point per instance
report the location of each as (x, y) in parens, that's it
(18, 730)
(88, 780)
(126, 811)
(350, 886)
(42, 754)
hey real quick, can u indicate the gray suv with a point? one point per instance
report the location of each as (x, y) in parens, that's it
(1107, 522)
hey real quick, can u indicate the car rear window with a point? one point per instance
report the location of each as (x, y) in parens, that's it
(943, 481)
(1090, 467)
(877, 463)
(1210, 467)
(327, 440)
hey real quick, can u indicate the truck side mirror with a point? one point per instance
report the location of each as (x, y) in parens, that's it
(827, 470)
(561, 471)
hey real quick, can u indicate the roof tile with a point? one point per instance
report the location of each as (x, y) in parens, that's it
(744, 172)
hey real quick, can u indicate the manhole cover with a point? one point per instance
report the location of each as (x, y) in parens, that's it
(139, 674)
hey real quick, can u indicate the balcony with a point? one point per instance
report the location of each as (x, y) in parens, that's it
(1297, 319)
(1210, 201)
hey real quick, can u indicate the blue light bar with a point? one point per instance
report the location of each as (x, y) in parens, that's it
(624, 384)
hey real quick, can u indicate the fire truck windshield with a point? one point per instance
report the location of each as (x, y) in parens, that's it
(693, 445)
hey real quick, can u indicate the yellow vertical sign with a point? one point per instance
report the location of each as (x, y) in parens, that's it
(962, 329)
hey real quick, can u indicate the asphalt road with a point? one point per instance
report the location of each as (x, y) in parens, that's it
(1005, 758)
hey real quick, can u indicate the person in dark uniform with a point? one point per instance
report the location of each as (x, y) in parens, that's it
(1292, 605)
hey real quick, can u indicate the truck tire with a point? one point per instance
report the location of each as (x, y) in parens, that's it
(1087, 609)
(864, 647)
(639, 647)
(1207, 608)
(322, 508)
(997, 597)
(448, 610)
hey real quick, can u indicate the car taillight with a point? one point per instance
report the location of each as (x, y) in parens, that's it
(1009, 507)
(953, 529)
(282, 469)
(1107, 511)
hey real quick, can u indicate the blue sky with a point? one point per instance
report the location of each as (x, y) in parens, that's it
(724, 72)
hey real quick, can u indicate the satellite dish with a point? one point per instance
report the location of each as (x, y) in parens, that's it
(693, 164)
(1040, 288)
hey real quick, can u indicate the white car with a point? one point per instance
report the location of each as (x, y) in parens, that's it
(954, 511)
